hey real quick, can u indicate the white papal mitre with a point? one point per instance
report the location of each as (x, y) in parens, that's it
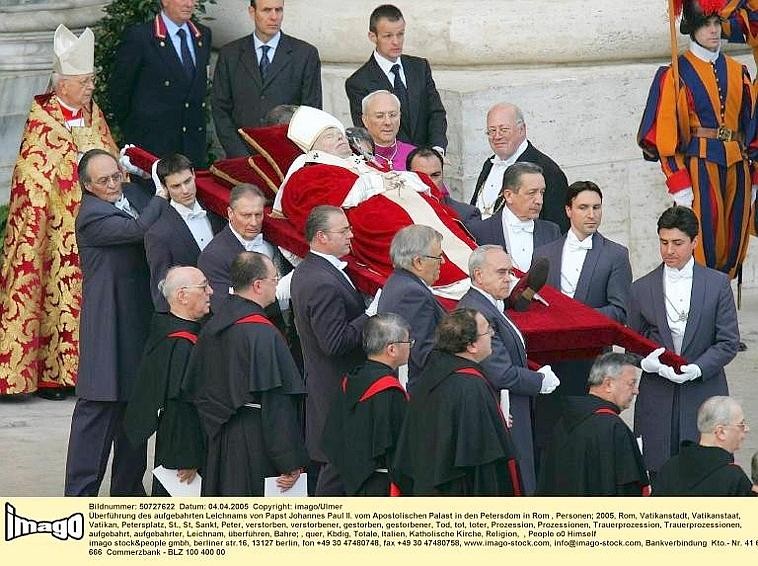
(308, 123)
(73, 55)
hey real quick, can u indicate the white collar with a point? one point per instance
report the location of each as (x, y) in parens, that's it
(335, 261)
(683, 273)
(273, 43)
(172, 27)
(244, 241)
(184, 211)
(573, 240)
(499, 305)
(385, 64)
(704, 54)
(513, 220)
(513, 158)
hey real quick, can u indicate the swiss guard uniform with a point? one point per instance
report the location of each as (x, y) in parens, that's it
(40, 280)
(706, 141)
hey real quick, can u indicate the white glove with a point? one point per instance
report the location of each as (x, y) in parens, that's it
(667, 372)
(684, 197)
(371, 309)
(160, 190)
(691, 371)
(651, 363)
(283, 291)
(550, 381)
(753, 191)
(126, 163)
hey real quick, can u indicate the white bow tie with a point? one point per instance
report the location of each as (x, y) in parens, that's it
(123, 205)
(500, 305)
(341, 265)
(674, 275)
(523, 226)
(585, 244)
(196, 214)
(255, 243)
(497, 162)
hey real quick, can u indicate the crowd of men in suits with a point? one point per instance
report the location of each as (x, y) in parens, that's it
(228, 398)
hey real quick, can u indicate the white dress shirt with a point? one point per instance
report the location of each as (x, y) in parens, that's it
(272, 43)
(493, 185)
(172, 29)
(257, 244)
(572, 261)
(386, 66)
(337, 263)
(500, 306)
(677, 289)
(123, 205)
(197, 221)
(519, 239)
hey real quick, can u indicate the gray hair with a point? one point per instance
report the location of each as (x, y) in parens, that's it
(383, 329)
(512, 175)
(717, 410)
(479, 256)
(367, 99)
(245, 190)
(318, 220)
(411, 242)
(176, 277)
(518, 115)
(611, 365)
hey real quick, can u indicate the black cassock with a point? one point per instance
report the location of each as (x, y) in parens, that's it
(362, 428)
(248, 393)
(454, 440)
(592, 452)
(156, 403)
(701, 471)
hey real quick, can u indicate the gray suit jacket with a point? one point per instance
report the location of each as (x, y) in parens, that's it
(490, 231)
(329, 315)
(605, 278)
(116, 305)
(711, 339)
(506, 368)
(241, 98)
(407, 295)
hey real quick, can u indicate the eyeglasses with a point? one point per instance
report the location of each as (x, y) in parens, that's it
(410, 342)
(501, 130)
(83, 81)
(490, 331)
(434, 257)
(114, 179)
(743, 425)
(203, 285)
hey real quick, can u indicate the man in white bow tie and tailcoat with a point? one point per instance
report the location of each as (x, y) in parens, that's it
(506, 134)
(688, 309)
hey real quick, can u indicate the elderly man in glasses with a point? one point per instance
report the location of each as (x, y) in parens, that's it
(114, 324)
(40, 281)
(707, 467)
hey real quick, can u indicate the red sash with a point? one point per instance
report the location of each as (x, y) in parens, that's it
(186, 334)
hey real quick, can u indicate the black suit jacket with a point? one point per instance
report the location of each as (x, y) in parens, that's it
(490, 231)
(240, 98)
(556, 186)
(116, 307)
(424, 122)
(329, 315)
(157, 106)
(407, 295)
(169, 242)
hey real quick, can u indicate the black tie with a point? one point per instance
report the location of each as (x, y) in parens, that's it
(265, 63)
(399, 88)
(187, 62)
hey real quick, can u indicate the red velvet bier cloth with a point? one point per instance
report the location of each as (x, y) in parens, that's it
(374, 221)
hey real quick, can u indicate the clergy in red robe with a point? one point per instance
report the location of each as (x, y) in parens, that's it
(40, 281)
(377, 203)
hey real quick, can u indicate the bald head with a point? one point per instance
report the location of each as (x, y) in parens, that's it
(187, 292)
(381, 116)
(506, 129)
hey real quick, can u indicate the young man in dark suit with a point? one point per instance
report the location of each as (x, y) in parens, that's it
(689, 309)
(159, 83)
(329, 314)
(516, 227)
(260, 71)
(423, 120)
(115, 321)
(506, 368)
(185, 228)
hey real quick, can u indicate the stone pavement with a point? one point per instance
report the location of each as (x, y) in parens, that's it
(34, 432)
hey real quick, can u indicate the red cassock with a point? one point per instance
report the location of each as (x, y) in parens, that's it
(375, 221)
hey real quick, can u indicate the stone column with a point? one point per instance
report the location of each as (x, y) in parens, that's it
(579, 70)
(26, 59)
